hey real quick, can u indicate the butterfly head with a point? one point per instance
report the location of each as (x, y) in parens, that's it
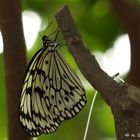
(47, 42)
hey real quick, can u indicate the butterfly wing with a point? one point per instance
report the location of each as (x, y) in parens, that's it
(43, 117)
(70, 94)
(51, 93)
(29, 105)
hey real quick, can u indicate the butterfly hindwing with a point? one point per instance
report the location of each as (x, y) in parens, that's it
(71, 91)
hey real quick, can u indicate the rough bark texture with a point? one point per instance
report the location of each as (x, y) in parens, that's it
(121, 97)
(14, 61)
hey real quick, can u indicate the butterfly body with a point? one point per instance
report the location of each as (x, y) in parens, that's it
(51, 91)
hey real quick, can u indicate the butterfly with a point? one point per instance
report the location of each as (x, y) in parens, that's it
(51, 91)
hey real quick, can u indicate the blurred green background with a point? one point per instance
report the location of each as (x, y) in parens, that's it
(100, 31)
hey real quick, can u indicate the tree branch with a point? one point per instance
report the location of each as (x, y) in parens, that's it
(87, 63)
(118, 96)
(14, 61)
(134, 93)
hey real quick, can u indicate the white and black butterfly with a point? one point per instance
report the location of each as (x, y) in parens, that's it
(51, 91)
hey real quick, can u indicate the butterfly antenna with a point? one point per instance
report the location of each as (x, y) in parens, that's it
(43, 31)
(57, 35)
(56, 30)
(48, 27)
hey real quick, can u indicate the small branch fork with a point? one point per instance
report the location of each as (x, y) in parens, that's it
(122, 98)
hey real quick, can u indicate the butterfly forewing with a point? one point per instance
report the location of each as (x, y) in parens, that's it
(51, 92)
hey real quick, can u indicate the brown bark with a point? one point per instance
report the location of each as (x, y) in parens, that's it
(14, 61)
(121, 97)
